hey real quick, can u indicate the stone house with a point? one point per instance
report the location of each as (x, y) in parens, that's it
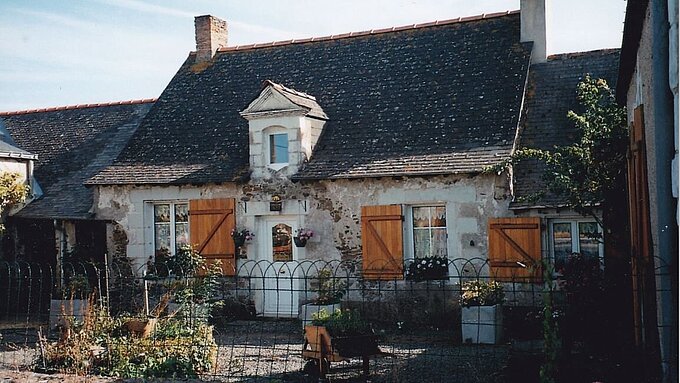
(648, 87)
(378, 141)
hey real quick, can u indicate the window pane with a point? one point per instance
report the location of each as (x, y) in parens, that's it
(282, 243)
(562, 243)
(162, 237)
(439, 216)
(278, 148)
(421, 217)
(181, 234)
(588, 238)
(439, 243)
(161, 213)
(181, 213)
(421, 243)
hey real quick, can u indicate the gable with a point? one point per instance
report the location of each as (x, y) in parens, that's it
(271, 100)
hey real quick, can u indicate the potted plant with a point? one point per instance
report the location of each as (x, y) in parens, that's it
(301, 236)
(328, 294)
(350, 334)
(427, 268)
(482, 311)
(241, 236)
(70, 301)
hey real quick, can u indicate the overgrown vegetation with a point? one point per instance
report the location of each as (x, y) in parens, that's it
(586, 171)
(178, 344)
(12, 192)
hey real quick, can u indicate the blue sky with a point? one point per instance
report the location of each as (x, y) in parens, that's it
(56, 53)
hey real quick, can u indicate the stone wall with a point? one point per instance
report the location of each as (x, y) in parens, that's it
(330, 208)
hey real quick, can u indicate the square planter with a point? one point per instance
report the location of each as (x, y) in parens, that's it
(72, 308)
(482, 324)
(306, 311)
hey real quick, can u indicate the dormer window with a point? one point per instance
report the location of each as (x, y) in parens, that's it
(278, 148)
(284, 125)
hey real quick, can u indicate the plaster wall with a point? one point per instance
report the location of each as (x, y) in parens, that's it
(8, 165)
(330, 208)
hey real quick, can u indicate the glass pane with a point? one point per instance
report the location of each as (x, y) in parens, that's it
(161, 213)
(439, 216)
(562, 243)
(439, 243)
(588, 238)
(282, 243)
(421, 243)
(278, 148)
(421, 217)
(181, 234)
(162, 237)
(181, 213)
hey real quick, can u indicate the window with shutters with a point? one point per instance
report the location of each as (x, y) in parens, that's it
(427, 234)
(170, 227)
(574, 236)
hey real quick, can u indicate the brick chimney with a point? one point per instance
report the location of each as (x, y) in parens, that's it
(534, 27)
(211, 34)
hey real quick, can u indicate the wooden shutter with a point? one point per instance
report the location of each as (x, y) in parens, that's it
(382, 242)
(640, 233)
(211, 222)
(515, 249)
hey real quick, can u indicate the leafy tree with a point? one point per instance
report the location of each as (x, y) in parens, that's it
(584, 172)
(12, 192)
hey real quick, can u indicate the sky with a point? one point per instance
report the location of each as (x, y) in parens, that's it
(67, 52)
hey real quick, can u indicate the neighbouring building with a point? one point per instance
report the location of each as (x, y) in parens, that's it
(69, 145)
(648, 86)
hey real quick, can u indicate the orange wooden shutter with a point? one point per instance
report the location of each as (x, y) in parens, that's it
(211, 222)
(515, 248)
(640, 233)
(382, 242)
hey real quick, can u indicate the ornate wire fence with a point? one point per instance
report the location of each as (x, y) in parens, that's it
(165, 321)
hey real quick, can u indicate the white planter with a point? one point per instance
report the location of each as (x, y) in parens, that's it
(482, 324)
(63, 309)
(306, 311)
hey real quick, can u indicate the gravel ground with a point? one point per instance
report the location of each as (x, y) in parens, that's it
(271, 351)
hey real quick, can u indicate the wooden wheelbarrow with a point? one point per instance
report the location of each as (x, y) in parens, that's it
(320, 349)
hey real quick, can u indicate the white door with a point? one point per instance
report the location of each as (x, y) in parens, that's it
(281, 292)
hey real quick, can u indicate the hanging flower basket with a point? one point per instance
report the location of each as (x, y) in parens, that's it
(300, 242)
(302, 235)
(241, 236)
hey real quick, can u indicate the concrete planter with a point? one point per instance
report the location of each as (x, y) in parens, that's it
(306, 311)
(482, 324)
(62, 310)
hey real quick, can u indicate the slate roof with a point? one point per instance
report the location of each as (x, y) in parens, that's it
(550, 95)
(73, 144)
(439, 98)
(9, 151)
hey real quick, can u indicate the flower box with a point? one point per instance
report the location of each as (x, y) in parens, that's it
(482, 324)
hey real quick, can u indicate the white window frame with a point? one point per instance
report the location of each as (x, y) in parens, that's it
(409, 243)
(268, 133)
(152, 223)
(575, 243)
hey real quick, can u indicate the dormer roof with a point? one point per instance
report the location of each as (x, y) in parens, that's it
(278, 98)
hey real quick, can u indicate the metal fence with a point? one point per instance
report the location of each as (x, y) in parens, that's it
(255, 323)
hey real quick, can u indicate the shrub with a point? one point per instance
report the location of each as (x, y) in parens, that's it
(480, 293)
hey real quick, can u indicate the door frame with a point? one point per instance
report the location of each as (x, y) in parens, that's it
(265, 254)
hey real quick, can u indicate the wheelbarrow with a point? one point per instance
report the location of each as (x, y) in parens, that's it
(321, 349)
